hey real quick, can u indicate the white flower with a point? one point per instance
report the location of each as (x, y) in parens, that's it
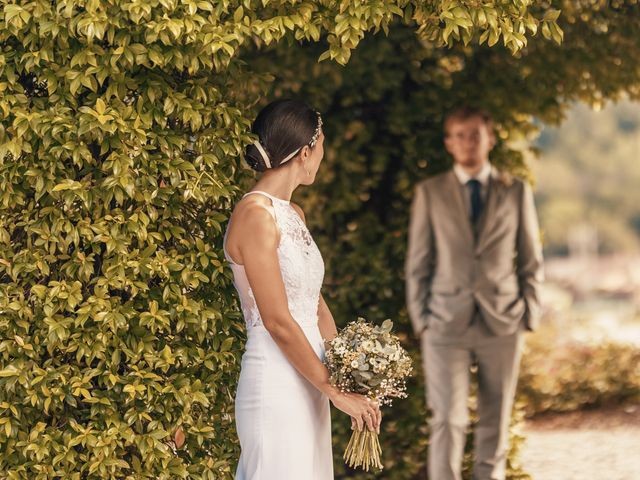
(367, 345)
(374, 351)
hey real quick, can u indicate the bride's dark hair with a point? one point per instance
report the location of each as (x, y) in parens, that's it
(282, 127)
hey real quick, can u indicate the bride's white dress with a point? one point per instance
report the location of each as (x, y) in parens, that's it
(283, 421)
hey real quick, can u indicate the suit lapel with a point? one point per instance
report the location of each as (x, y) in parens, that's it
(488, 217)
(458, 205)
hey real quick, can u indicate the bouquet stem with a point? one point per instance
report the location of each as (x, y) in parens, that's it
(363, 450)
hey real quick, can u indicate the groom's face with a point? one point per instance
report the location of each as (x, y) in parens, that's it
(469, 141)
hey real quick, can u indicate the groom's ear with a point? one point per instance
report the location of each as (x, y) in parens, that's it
(446, 140)
(492, 137)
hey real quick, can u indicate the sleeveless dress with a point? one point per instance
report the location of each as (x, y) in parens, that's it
(283, 421)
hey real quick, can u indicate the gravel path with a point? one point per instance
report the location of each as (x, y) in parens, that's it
(602, 444)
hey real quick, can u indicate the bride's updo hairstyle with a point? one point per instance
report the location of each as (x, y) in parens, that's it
(283, 128)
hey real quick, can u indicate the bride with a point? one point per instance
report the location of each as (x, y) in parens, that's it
(282, 403)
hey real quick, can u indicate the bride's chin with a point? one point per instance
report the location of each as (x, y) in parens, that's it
(310, 181)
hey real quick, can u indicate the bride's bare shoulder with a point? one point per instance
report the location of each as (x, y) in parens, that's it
(253, 214)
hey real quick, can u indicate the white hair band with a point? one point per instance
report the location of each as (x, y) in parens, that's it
(265, 157)
(290, 156)
(263, 154)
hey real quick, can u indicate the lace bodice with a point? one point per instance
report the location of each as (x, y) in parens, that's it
(301, 267)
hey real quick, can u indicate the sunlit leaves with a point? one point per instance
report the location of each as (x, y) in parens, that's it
(488, 23)
(110, 318)
(122, 129)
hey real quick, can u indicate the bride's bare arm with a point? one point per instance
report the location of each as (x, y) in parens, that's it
(257, 244)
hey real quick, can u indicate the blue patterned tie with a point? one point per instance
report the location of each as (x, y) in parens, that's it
(476, 200)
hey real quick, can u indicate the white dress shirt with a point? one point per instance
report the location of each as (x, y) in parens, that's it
(483, 176)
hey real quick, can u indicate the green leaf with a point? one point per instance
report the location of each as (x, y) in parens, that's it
(9, 372)
(238, 14)
(551, 15)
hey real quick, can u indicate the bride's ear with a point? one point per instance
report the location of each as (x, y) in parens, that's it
(305, 153)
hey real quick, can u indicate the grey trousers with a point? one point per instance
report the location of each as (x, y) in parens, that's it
(447, 362)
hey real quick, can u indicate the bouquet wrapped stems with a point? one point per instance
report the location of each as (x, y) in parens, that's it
(363, 450)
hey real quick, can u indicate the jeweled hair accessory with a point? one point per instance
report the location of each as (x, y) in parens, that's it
(312, 143)
(316, 134)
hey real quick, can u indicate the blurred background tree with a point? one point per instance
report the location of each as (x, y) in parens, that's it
(589, 174)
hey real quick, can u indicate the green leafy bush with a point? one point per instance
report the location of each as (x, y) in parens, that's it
(567, 377)
(117, 315)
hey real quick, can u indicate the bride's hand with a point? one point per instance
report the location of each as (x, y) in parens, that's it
(354, 424)
(361, 409)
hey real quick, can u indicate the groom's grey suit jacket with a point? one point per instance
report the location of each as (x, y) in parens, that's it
(453, 267)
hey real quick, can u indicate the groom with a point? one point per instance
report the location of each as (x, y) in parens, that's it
(473, 270)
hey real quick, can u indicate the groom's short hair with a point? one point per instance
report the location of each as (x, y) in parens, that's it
(465, 112)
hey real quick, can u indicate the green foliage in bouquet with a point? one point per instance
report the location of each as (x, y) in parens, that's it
(369, 360)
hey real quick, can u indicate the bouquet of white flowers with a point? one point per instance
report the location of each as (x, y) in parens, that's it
(368, 360)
